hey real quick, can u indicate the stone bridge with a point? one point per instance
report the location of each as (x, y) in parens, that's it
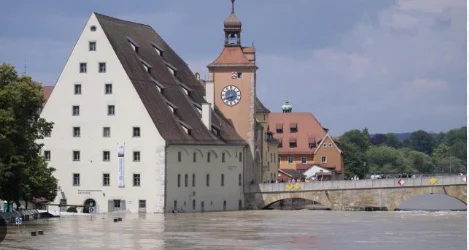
(337, 195)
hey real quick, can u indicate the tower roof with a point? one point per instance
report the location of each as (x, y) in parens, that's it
(232, 22)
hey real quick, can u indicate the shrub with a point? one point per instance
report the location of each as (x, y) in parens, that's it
(86, 209)
(72, 210)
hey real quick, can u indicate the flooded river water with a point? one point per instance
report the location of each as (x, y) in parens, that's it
(267, 229)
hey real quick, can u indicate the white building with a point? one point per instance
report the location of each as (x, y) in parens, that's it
(123, 86)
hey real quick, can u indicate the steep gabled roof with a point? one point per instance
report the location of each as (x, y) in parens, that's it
(120, 34)
(308, 131)
(260, 108)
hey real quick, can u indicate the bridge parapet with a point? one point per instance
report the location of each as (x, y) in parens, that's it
(357, 184)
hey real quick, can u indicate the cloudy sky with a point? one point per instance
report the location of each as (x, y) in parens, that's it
(388, 65)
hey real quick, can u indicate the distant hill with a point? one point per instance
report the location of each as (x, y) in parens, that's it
(401, 136)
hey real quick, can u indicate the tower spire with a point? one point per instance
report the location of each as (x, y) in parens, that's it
(232, 28)
(232, 6)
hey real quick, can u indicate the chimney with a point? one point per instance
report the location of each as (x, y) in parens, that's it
(210, 93)
(207, 115)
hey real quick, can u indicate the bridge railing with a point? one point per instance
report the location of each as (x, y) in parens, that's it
(357, 184)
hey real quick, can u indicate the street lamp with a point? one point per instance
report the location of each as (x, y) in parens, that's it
(364, 169)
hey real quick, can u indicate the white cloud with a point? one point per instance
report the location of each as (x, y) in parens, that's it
(388, 75)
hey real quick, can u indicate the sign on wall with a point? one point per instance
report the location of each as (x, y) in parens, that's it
(120, 166)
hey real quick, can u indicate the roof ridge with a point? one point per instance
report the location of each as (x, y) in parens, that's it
(110, 18)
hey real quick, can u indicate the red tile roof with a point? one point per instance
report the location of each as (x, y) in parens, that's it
(231, 56)
(46, 92)
(308, 130)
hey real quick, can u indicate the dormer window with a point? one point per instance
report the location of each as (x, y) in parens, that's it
(292, 142)
(158, 85)
(133, 44)
(158, 49)
(311, 142)
(186, 127)
(293, 127)
(146, 65)
(171, 69)
(279, 128)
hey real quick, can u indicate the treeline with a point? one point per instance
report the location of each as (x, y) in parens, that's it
(24, 173)
(421, 152)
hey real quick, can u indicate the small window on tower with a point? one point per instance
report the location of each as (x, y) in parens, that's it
(240, 75)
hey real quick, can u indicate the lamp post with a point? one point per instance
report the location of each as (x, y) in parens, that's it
(364, 169)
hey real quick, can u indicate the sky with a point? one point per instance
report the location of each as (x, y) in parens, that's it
(387, 65)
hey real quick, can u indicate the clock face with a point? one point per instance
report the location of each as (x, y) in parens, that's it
(231, 95)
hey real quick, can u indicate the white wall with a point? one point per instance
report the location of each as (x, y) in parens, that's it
(212, 196)
(93, 117)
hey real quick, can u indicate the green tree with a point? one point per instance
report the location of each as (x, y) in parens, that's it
(419, 161)
(421, 141)
(393, 141)
(20, 127)
(354, 144)
(384, 159)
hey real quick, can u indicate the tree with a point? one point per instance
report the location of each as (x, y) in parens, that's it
(378, 139)
(354, 144)
(22, 169)
(393, 141)
(384, 159)
(419, 161)
(421, 141)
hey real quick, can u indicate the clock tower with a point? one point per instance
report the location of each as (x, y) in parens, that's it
(233, 75)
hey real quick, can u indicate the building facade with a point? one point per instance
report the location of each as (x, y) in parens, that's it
(136, 130)
(233, 76)
(304, 142)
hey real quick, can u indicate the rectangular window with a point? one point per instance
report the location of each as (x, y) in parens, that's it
(240, 75)
(76, 155)
(76, 131)
(193, 180)
(111, 110)
(179, 180)
(106, 155)
(136, 180)
(117, 203)
(223, 157)
(179, 156)
(92, 46)
(303, 160)
(324, 159)
(77, 89)
(142, 204)
(75, 110)
(82, 67)
(106, 132)
(194, 157)
(136, 132)
(208, 180)
(175, 204)
(136, 155)
(76, 179)
(224, 205)
(222, 180)
(106, 180)
(193, 204)
(47, 155)
(290, 160)
(108, 88)
(186, 180)
(102, 67)
(240, 157)
(208, 157)
(240, 179)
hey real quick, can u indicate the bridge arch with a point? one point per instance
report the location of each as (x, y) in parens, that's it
(457, 192)
(270, 198)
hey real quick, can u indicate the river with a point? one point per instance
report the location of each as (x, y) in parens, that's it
(265, 229)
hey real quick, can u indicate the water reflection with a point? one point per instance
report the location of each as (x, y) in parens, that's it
(267, 229)
(433, 202)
